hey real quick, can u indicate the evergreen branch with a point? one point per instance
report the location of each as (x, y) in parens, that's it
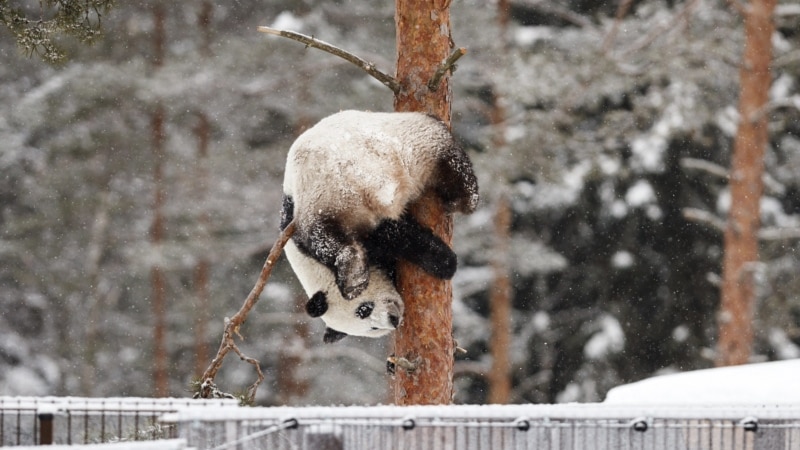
(448, 65)
(716, 223)
(704, 217)
(702, 165)
(365, 65)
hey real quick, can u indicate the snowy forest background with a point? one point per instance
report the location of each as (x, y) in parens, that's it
(612, 138)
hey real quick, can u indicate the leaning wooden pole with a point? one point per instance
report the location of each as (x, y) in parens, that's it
(746, 185)
(425, 336)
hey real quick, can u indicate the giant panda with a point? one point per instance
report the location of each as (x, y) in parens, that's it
(348, 182)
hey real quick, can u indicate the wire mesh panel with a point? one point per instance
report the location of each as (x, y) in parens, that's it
(540, 427)
(165, 444)
(89, 420)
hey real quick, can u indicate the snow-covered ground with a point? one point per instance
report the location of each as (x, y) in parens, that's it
(772, 383)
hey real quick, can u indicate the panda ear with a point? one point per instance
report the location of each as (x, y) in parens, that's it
(332, 336)
(317, 304)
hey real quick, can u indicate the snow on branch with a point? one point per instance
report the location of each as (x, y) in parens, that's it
(706, 166)
(704, 217)
(774, 186)
(365, 65)
(206, 387)
(716, 223)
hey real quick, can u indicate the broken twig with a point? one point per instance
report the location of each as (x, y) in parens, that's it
(365, 65)
(232, 326)
(447, 65)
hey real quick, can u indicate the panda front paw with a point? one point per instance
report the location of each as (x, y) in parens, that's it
(352, 271)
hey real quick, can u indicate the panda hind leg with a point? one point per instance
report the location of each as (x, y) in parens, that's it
(407, 239)
(457, 185)
(326, 243)
(352, 271)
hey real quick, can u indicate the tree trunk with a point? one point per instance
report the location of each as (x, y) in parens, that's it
(202, 132)
(499, 376)
(157, 279)
(202, 268)
(500, 304)
(425, 337)
(747, 167)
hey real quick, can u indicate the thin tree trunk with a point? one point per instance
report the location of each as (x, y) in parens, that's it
(746, 185)
(157, 279)
(202, 132)
(500, 304)
(499, 376)
(425, 337)
(202, 311)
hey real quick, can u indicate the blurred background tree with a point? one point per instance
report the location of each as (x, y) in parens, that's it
(617, 130)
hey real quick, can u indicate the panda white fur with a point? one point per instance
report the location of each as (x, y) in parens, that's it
(347, 184)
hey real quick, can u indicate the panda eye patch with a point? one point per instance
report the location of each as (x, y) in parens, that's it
(365, 309)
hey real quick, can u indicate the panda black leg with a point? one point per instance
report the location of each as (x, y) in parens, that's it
(457, 185)
(328, 244)
(352, 271)
(407, 239)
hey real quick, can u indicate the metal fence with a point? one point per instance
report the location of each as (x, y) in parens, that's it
(563, 427)
(184, 423)
(68, 420)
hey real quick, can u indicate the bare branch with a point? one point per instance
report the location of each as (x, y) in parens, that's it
(365, 65)
(448, 65)
(232, 325)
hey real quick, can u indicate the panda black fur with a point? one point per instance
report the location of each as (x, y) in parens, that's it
(348, 182)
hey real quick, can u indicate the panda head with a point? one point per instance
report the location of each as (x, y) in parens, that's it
(376, 312)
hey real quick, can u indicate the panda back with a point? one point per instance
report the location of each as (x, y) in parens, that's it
(363, 167)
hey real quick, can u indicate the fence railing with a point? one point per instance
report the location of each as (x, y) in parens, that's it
(72, 420)
(185, 423)
(516, 427)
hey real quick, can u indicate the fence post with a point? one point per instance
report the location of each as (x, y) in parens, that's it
(45, 428)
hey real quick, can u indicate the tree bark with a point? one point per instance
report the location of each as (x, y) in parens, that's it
(499, 376)
(425, 337)
(202, 309)
(157, 279)
(746, 186)
(500, 304)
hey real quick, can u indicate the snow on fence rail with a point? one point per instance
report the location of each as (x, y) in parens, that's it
(563, 427)
(73, 420)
